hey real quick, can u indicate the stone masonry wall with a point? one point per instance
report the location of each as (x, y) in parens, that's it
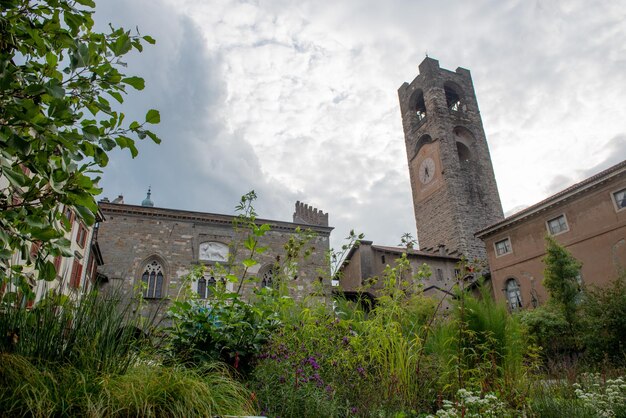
(469, 200)
(132, 236)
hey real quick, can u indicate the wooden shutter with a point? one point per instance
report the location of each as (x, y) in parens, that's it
(34, 248)
(77, 270)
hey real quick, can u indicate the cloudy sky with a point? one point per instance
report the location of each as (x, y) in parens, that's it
(298, 100)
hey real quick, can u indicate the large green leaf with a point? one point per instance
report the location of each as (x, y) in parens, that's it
(153, 116)
(136, 82)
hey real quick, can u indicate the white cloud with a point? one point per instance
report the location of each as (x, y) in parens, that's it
(298, 99)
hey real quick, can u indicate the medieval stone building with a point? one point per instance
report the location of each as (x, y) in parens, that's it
(454, 187)
(451, 175)
(149, 250)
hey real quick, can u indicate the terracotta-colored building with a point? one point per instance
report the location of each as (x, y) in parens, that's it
(588, 218)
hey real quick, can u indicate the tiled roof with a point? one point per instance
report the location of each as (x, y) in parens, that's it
(402, 250)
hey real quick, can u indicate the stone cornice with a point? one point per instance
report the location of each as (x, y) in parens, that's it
(565, 195)
(110, 209)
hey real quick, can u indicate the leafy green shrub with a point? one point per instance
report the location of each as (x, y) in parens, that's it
(310, 369)
(604, 318)
(550, 331)
(561, 279)
(226, 328)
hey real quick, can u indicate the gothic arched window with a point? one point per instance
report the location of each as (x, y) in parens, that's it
(202, 288)
(153, 279)
(513, 294)
(211, 285)
(206, 287)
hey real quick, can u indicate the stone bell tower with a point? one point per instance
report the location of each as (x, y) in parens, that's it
(454, 188)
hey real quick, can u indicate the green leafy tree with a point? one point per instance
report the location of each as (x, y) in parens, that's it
(60, 87)
(561, 278)
(604, 310)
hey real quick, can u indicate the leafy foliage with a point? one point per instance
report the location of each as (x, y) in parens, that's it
(560, 278)
(59, 86)
(348, 362)
(227, 328)
(482, 347)
(94, 357)
(550, 331)
(604, 322)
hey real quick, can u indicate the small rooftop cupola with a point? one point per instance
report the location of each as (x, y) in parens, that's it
(147, 201)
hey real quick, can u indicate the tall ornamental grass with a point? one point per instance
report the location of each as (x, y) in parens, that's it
(93, 357)
(146, 390)
(97, 332)
(482, 347)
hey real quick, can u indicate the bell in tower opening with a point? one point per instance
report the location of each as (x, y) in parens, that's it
(454, 187)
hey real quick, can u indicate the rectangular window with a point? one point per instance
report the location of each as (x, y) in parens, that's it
(619, 198)
(81, 235)
(439, 274)
(503, 247)
(77, 270)
(557, 225)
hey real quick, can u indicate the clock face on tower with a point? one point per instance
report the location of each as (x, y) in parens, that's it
(427, 170)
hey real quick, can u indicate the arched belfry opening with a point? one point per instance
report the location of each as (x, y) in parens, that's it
(464, 143)
(419, 105)
(453, 97)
